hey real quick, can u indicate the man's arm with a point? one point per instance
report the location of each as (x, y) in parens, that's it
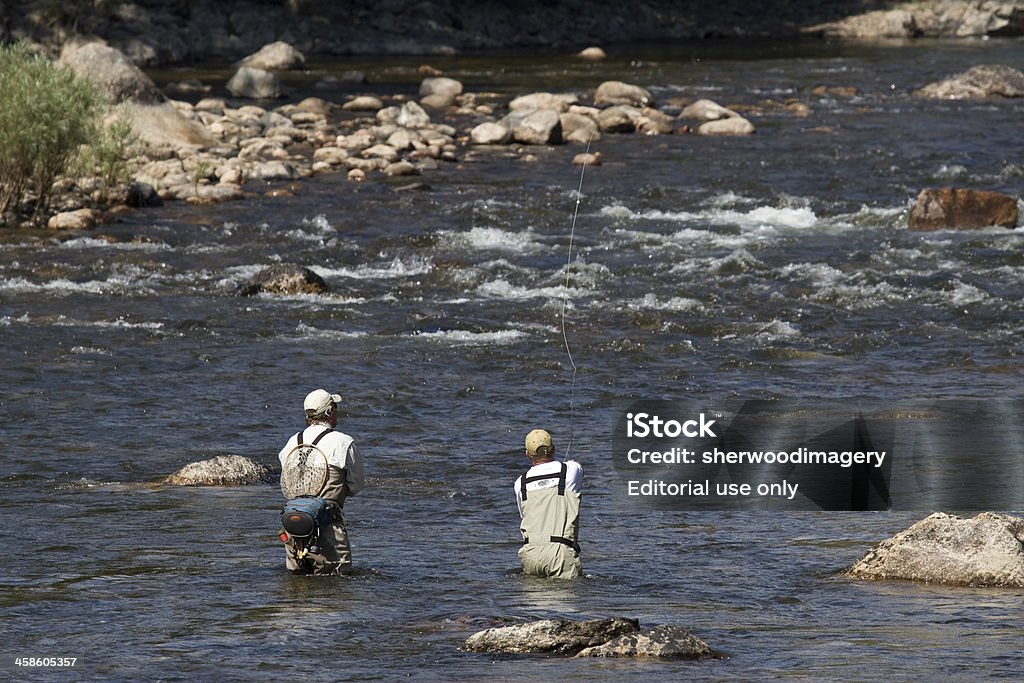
(353, 471)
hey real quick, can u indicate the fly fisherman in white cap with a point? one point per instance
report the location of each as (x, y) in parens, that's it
(343, 478)
(548, 495)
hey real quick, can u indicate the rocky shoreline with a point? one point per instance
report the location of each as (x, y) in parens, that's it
(209, 151)
(153, 33)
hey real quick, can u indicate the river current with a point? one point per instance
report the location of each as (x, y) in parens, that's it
(772, 266)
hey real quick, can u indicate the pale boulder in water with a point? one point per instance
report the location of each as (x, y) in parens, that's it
(986, 550)
(593, 54)
(439, 92)
(541, 127)
(611, 93)
(550, 636)
(257, 84)
(615, 637)
(490, 133)
(735, 125)
(978, 82)
(222, 470)
(660, 642)
(707, 110)
(276, 56)
(560, 102)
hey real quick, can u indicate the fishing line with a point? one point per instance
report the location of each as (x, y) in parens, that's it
(565, 299)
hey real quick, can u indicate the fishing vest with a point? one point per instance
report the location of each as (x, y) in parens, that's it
(551, 514)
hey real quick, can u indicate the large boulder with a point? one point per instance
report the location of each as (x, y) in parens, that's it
(439, 92)
(984, 80)
(113, 73)
(959, 208)
(707, 110)
(276, 56)
(986, 550)
(541, 127)
(551, 636)
(222, 470)
(616, 637)
(160, 124)
(734, 125)
(579, 128)
(80, 219)
(284, 278)
(944, 18)
(611, 93)
(621, 118)
(409, 115)
(543, 100)
(153, 118)
(662, 642)
(490, 133)
(256, 84)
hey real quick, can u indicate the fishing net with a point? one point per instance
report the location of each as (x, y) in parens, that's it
(304, 472)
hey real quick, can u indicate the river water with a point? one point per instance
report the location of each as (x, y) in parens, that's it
(777, 265)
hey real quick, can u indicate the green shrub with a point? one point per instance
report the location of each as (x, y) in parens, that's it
(106, 158)
(46, 113)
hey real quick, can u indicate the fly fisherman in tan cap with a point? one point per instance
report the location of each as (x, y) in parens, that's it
(321, 463)
(548, 495)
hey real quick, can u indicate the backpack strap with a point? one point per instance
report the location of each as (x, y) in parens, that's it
(562, 471)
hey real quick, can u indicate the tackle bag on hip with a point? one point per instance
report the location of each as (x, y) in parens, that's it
(303, 517)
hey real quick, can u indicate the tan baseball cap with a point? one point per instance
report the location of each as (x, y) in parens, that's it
(320, 401)
(538, 439)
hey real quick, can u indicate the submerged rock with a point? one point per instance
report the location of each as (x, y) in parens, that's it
(959, 208)
(284, 278)
(986, 550)
(222, 470)
(664, 642)
(551, 636)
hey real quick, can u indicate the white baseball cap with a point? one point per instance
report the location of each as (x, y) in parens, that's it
(320, 401)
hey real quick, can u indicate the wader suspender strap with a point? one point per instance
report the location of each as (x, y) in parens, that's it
(561, 480)
(298, 437)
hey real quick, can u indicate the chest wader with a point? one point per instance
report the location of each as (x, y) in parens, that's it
(307, 517)
(550, 526)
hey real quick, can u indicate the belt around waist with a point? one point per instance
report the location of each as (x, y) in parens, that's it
(560, 539)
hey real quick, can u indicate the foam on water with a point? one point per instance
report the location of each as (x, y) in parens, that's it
(760, 217)
(503, 289)
(493, 239)
(396, 268)
(83, 243)
(64, 287)
(466, 337)
(651, 302)
(306, 331)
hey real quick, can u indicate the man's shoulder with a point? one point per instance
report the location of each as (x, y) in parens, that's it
(336, 438)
